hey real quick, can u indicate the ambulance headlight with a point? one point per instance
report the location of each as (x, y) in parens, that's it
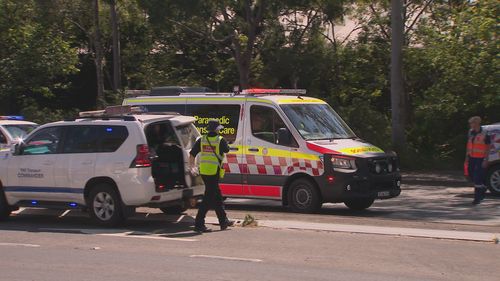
(343, 162)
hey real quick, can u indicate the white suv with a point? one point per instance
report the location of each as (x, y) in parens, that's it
(106, 165)
(493, 172)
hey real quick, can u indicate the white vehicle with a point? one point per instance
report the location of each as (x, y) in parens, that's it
(493, 172)
(108, 165)
(286, 146)
(12, 130)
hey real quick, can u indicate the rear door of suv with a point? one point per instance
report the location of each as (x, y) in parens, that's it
(76, 163)
(83, 145)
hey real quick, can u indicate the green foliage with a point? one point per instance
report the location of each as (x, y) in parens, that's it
(47, 69)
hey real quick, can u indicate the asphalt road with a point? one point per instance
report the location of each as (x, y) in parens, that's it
(57, 245)
(50, 248)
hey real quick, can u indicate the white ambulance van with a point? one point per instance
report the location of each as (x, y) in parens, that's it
(287, 146)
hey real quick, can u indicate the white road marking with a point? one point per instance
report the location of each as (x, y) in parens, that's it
(180, 219)
(120, 233)
(225, 258)
(18, 211)
(65, 213)
(150, 236)
(20, 245)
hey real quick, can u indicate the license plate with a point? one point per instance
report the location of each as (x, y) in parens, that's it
(383, 193)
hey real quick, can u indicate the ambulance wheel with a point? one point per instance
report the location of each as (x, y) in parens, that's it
(105, 205)
(303, 196)
(493, 180)
(5, 209)
(173, 210)
(359, 204)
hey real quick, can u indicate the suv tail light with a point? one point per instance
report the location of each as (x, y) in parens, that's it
(142, 158)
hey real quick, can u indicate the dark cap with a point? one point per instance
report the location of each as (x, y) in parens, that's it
(214, 125)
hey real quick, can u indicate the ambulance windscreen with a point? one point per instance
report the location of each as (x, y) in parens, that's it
(317, 122)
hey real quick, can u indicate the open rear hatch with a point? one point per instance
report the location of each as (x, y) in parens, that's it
(168, 169)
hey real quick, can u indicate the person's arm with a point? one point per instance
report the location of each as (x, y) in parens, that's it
(466, 147)
(224, 147)
(192, 156)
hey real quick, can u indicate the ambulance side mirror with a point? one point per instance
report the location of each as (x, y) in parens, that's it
(284, 137)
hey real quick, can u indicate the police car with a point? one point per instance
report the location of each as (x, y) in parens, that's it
(287, 146)
(107, 164)
(13, 129)
(493, 172)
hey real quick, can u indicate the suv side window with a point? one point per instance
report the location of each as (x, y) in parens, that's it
(228, 115)
(81, 139)
(94, 138)
(265, 123)
(45, 141)
(111, 137)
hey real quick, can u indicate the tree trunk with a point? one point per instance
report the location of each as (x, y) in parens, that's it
(117, 83)
(244, 63)
(398, 100)
(100, 100)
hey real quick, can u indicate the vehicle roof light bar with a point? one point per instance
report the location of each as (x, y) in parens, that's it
(12, 117)
(112, 111)
(257, 91)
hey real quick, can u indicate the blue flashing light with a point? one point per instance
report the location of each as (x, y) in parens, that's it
(73, 205)
(109, 129)
(12, 117)
(34, 202)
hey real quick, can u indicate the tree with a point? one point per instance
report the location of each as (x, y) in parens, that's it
(36, 57)
(398, 96)
(99, 56)
(117, 81)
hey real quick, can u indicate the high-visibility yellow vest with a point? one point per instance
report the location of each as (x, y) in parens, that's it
(210, 149)
(477, 147)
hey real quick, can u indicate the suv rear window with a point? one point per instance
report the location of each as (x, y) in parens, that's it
(94, 138)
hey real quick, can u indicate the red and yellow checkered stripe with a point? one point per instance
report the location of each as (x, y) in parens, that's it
(273, 162)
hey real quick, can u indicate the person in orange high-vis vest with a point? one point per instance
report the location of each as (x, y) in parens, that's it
(478, 147)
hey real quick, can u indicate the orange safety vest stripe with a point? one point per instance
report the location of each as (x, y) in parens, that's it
(476, 146)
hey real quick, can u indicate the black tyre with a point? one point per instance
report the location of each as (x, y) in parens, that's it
(359, 204)
(5, 209)
(105, 205)
(304, 197)
(493, 179)
(173, 210)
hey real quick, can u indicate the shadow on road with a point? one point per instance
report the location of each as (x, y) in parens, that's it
(50, 221)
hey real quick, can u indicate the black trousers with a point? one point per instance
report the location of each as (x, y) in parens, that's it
(212, 199)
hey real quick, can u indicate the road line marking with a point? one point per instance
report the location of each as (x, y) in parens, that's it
(157, 237)
(180, 219)
(20, 244)
(225, 258)
(18, 211)
(118, 233)
(65, 213)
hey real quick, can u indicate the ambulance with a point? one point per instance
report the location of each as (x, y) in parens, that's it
(287, 146)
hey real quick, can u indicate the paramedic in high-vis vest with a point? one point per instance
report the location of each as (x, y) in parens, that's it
(478, 145)
(211, 148)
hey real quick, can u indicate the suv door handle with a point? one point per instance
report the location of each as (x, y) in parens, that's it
(89, 162)
(233, 149)
(253, 149)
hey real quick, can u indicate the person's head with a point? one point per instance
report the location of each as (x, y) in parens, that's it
(475, 123)
(214, 126)
(258, 122)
